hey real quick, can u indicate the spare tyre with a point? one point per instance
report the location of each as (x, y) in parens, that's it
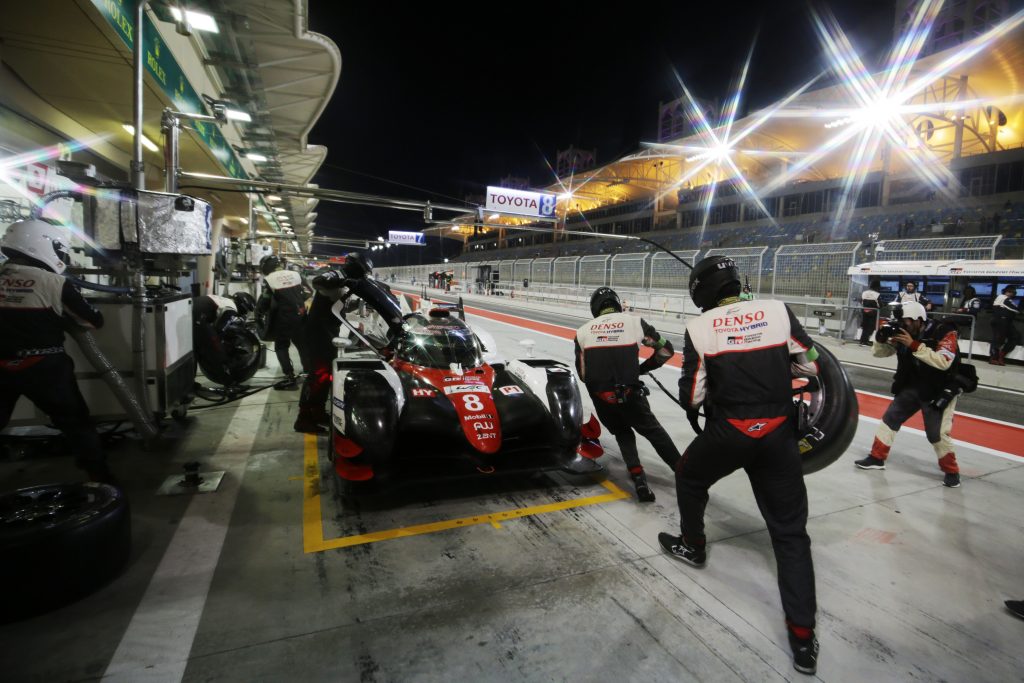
(830, 415)
(59, 542)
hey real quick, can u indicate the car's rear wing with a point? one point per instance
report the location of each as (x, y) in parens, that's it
(451, 306)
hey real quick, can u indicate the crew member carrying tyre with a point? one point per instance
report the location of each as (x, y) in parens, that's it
(741, 357)
(284, 296)
(36, 305)
(606, 351)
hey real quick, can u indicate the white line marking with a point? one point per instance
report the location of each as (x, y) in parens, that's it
(987, 387)
(965, 444)
(158, 640)
(957, 412)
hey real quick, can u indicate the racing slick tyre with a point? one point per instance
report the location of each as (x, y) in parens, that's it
(829, 418)
(59, 542)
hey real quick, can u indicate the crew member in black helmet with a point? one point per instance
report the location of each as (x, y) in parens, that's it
(739, 359)
(284, 294)
(606, 359)
(349, 284)
(36, 306)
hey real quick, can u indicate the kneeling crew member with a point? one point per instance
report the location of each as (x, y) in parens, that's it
(287, 315)
(606, 360)
(740, 357)
(927, 357)
(36, 305)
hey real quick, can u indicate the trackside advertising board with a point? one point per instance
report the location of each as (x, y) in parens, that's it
(417, 239)
(505, 200)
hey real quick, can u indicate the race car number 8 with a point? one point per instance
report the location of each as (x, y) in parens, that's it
(472, 402)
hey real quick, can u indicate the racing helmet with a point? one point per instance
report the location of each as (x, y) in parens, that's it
(37, 240)
(268, 264)
(604, 298)
(357, 266)
(709, 277)
(914, 311)
(244, 302)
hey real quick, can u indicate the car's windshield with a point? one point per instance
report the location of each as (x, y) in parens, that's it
(439, 343)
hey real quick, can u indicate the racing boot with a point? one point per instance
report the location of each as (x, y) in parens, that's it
(643, 491)
(310, 423)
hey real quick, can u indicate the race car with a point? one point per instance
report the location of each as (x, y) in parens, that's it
(437, 399)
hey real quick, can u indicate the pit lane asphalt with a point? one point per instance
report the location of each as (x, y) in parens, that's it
(997, 404)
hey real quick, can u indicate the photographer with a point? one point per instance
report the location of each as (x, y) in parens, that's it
(928, 358)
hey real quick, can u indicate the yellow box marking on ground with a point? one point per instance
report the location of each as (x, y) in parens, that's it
(313, 540)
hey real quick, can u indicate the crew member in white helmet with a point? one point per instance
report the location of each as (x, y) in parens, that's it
(37, 304)
(284, 297)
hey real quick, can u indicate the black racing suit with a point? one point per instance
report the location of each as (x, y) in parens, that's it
(868, 314)
(322, 326)
(738, 362)
(36, 305)
(286, 317)
(607, 349)
(1005, 336)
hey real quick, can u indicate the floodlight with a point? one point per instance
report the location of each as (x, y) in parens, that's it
(197, 20)
(146, 142)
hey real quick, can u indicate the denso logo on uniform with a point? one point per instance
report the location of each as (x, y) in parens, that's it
(608, 327)
(503, 199)
(735, 320)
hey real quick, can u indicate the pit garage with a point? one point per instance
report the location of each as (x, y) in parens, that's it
(530, 576)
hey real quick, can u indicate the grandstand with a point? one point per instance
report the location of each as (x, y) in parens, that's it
(808, 221)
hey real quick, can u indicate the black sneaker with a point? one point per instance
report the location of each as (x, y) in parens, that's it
(289, 381)
(1016, 607)
(870, 463)
(805, 654)
(643, 490)
(678, 548)
(951, 480)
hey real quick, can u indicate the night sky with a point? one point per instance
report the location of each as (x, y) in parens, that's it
(438, 100)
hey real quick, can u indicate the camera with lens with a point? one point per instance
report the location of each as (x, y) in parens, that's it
(946, 397)
(888, 330)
